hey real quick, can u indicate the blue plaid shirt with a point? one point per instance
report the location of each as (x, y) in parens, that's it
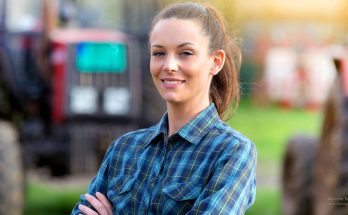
(205, 168)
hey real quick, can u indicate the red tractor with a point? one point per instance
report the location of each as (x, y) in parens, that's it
(67, 92)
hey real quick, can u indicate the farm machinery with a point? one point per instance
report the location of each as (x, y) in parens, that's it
(68, 88)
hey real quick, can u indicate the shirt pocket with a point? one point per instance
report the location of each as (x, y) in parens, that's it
(182, 191)
(120, 195)
(179, 197)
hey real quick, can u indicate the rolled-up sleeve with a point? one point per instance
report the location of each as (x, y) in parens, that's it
(232, 186)
(98, 184)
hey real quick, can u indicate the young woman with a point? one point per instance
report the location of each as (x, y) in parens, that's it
(191, 162)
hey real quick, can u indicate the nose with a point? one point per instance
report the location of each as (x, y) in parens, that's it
(170, 64)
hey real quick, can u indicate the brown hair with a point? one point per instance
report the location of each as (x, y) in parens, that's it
(224, 88)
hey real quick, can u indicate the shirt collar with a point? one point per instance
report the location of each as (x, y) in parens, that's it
(198, 127)
(194, 130)
(160, 128)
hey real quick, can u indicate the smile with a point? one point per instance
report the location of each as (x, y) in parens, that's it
(171, 84)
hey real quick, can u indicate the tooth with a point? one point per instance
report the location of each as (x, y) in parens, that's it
(171, 82)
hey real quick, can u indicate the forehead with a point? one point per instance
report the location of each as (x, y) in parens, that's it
(174, 31)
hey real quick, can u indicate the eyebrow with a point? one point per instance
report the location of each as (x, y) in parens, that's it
(179, 46)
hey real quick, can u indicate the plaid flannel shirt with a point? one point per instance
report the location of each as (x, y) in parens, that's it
(205, 168)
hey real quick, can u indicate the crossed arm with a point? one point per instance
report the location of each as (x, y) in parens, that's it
(100, 203)
(228, 192)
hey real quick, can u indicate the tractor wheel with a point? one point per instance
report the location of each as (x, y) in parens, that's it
(297, 176)
(11, 175)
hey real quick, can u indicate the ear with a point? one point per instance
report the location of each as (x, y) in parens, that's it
(218, 61)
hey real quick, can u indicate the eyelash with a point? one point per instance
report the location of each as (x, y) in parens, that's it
(158, 53)
(161, 53)
(186, 53)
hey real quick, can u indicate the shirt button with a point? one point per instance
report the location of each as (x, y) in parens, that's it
(153, 180)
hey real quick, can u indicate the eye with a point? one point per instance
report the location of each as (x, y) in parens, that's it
(186, 53)
(158, 53)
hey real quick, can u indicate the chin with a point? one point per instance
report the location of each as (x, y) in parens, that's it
(171, 98)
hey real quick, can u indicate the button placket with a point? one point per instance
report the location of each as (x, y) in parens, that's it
(144, 211)
(153, 180)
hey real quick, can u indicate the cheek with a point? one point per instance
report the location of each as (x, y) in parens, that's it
(154, 68)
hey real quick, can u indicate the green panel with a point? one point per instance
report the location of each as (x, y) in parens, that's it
(101, 57)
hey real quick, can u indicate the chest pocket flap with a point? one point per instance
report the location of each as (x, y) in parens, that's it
(182, 191)
(123, 185)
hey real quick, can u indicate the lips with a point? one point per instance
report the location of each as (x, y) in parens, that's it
(170, 83)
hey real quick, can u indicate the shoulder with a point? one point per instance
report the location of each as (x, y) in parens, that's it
(144, 133)
(232, 141)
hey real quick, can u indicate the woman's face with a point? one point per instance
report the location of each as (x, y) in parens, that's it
(180, 64)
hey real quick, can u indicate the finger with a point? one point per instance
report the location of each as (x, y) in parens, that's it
(86, 210)
(101, 209)
(105, 202)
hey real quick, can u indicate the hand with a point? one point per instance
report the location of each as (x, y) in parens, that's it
(101, 204)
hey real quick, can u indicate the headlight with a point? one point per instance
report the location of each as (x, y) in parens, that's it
(116, 100)
(83, 100)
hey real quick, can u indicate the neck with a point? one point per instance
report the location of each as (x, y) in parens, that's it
(180, 114)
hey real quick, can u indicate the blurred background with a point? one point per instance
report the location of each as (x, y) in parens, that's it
(74, 75)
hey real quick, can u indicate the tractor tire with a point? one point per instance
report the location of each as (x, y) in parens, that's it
(11, 174)
(297, 176)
